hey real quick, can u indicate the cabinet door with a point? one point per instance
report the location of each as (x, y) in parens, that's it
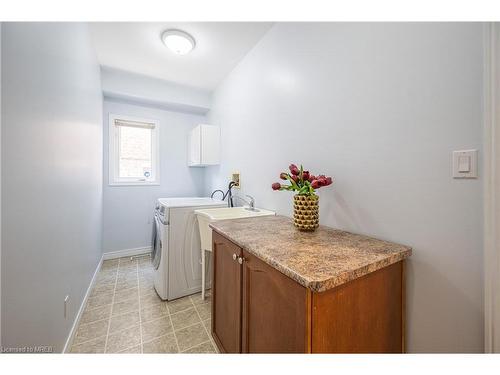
(275, 316)
(226, 299)
(210, 145)
(364, 315)
(195, 146)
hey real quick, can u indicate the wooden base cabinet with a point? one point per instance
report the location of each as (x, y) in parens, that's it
(257, 309)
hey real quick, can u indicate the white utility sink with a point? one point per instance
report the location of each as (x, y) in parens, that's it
(208, 215)
(225, 213)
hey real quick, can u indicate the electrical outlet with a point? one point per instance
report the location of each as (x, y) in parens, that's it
(66, 302)
(235, 177)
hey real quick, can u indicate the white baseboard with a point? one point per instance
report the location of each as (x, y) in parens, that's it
(72, 333)
(126, 253)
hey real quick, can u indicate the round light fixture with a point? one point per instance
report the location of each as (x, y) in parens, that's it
(178, 41)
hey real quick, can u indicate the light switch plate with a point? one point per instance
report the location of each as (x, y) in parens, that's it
(465, 164)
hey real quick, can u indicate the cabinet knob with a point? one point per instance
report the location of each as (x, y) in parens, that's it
(235, 256)
(241, 260)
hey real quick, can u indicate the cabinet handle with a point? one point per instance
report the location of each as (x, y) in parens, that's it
(235, 256)
(241, 260)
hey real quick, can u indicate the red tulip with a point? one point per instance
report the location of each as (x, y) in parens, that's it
(276, 186)
(315, 184)
(329, 181)
(283, 175)
(312, 178)
(295, 178)
(305, 175)
(293, 168)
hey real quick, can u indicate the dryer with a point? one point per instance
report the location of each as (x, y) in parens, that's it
(176, 248)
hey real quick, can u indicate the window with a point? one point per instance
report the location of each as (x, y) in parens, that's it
(133, 151)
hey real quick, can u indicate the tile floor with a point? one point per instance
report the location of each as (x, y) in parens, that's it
(125, 315)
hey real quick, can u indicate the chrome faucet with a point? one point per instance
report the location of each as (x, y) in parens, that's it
(251, 203)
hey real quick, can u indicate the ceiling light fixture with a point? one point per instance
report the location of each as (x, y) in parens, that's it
(178, 41)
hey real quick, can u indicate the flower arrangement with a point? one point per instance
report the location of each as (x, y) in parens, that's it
(305, 202)
(301, 181)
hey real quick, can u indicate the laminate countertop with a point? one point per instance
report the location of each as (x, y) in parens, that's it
(319, 260)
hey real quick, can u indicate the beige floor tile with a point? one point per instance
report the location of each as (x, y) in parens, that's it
(185, 318)
(99, 300)
(102, 289)
(206, 347)
(179, 304)
(92, 315)
(145, 280)
(145, 268)
(146, 289)
(125, 294)
(208, 325)
(107, 272)
(151, 299)
(164, 344)
(126, 284)
(191, 336)
(121, 340)
(99, 282)
(196, 298)
(134, 350)
(205, 310)
(128, 267)
(91, 331)
(144, 261)
(127, 264)
(156, 328)
(110, 263)
(136, 278)
(126, 276)
(125, 306)
(127, 272)
(146, 274)
(120, 322)
(106, 278)
(92, 346)
(153, 312)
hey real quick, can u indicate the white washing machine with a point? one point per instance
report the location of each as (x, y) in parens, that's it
(176, 249)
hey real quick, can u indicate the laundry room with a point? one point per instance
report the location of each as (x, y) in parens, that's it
(249, 187)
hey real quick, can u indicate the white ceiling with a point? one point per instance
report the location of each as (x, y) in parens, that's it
(136, 47)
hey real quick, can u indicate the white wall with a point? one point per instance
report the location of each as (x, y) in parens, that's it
(154, 92)
(380, 107)
(0, 184)
(51, 178)
(128, 210)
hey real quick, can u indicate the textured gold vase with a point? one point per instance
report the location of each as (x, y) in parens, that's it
(306, 212)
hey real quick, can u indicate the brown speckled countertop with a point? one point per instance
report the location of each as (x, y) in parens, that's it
(318, 260)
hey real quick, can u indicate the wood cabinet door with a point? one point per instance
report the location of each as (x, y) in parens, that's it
(226, 298)
(364, 315)
(275, 316)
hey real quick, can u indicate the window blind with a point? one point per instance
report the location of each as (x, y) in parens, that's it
(134, 124)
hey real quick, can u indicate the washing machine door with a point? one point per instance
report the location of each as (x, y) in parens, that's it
(156, 246)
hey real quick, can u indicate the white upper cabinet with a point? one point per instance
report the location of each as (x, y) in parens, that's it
(204, 146)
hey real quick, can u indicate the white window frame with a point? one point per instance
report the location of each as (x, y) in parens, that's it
(113, 143)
